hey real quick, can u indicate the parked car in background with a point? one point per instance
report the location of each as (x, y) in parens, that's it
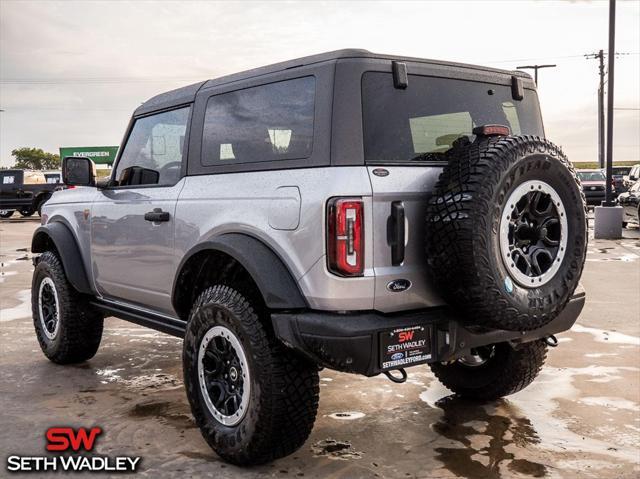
(594, 185)
(630, 202)
(24, 191)
(618, 174)
(632, 177)
(53, 176)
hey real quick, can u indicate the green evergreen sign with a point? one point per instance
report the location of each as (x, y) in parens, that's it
(102, 155)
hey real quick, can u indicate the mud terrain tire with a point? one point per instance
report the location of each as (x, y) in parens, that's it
(283, 387)
(508, 370)
(78, 332)
(506, 231)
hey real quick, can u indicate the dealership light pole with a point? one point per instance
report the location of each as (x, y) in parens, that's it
(608, 217)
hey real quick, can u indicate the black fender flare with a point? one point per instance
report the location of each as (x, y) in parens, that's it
(276, 284)
(67, 247)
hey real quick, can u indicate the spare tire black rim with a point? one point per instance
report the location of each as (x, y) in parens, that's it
(533, 233)
(223, 375)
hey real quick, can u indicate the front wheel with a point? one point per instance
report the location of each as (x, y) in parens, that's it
(253, 400)
(491, 372)
(68, 328)
(27, 212)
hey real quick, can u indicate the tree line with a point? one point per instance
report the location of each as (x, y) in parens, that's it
(35, 159)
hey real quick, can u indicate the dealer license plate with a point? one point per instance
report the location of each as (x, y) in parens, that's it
(404, 347)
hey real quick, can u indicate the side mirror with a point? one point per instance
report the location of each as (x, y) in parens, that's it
(78, 171)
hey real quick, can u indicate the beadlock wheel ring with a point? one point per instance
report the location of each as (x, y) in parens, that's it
(48, 308)
(533, 234)
(223, 375)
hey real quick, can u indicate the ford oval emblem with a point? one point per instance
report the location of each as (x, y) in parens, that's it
(396, 356)
(398, 285)
(380, 172)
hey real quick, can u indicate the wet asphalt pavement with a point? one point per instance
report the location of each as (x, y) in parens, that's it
(580, 418)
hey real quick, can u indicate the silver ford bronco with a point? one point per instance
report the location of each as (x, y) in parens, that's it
(349, 210)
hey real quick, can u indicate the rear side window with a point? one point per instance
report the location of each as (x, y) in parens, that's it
(263, 123)
(422, 121)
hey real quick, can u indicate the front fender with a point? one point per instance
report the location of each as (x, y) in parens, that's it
(61, 237)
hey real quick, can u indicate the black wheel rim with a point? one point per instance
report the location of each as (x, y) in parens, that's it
(48, 307)
(533, 233)
(224, 375)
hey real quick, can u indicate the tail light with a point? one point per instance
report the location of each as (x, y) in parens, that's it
(346, 236)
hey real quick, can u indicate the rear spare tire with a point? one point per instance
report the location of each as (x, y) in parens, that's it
(506, 231)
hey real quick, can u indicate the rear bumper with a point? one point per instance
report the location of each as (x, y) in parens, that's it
(351, 343)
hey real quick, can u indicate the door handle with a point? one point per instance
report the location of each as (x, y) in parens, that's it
(157, 215)
(395, 233)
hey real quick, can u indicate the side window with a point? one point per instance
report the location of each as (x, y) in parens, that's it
(154, 150)
(263, 123)
(8, 179)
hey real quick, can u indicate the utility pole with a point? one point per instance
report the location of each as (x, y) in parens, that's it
(608, 217)
(535, 69)
(601, 143)
(612, 49)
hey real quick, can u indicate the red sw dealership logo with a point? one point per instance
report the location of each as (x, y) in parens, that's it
(65, 438)
(79, 442)
(405, 336)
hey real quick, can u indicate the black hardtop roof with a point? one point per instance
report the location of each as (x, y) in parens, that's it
(187, 94)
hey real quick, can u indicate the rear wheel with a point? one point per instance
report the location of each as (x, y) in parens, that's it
(491, 372)
(6, 213)
(253, 400)
(68, 328)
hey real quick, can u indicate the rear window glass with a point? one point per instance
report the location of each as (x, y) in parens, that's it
(263, 123)
(422, 121)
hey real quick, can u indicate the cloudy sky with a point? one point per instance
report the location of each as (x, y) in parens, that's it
(72, 72)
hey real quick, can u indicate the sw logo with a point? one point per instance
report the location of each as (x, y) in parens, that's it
(70, 440)
(405, 336)
(65, 438)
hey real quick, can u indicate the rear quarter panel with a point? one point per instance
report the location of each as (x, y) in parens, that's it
(263, 205)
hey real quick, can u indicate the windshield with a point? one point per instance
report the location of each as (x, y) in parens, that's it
(591, 176)
(422, 121)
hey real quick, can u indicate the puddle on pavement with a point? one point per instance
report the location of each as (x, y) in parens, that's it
(335, 449)
(602, 336)
(486, 437)
(347, 415)
(22, 310)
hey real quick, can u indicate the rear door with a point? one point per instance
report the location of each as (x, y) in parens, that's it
(406, 135)
(133, 221)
